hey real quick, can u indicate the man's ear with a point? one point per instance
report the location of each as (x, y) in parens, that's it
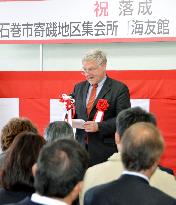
(34, 169)
(104, 66)
(117, 138)
(76, 190)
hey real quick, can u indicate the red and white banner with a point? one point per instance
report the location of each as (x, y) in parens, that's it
(57, 21)
(35, 95)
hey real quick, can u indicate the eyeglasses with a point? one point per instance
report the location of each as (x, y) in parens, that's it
(88, 70)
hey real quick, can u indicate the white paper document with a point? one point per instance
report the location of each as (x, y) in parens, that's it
(78, 123)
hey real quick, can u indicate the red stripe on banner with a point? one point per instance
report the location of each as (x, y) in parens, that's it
(109, 40)
(37, 84)
(165, 111)
(142, 84)
(37, 110)
(23, 88)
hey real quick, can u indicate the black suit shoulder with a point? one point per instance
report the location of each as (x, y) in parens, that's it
(7, 196)
(110, 80)
(116, 81)
(118, 85)
(80, 84)
(26, 201)
(79, 87)
(112, 83)
(128, 190)
(115, 85)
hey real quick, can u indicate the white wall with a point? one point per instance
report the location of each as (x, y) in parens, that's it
(19, 57)
(122, 56)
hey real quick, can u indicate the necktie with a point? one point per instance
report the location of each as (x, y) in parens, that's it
(91, 98)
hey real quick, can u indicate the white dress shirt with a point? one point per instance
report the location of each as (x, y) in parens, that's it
(100, 85)
(136, 174)
(46, 200)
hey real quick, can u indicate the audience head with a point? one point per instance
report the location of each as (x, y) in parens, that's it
(19, 159)
(58, 130)
(60, 168)
(142, 146)
(13, 128)
(129, 116)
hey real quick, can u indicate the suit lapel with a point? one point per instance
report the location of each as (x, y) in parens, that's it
(85, 91)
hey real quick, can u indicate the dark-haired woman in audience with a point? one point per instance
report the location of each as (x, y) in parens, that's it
(16, 176)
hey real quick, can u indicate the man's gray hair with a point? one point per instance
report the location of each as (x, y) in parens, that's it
(96, 55)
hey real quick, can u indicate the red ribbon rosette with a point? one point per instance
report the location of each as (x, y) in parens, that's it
(69, 105)
(101, 106)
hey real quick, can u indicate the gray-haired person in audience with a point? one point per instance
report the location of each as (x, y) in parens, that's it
(58, 173)
(58, 130)
(142, 146)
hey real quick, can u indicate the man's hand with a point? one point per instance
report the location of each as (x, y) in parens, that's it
(91, 126)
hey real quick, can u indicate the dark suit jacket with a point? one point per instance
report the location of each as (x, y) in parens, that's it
(101, 144)
(127, 190)
(166, 169)
(26, 201)
(12, 196)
